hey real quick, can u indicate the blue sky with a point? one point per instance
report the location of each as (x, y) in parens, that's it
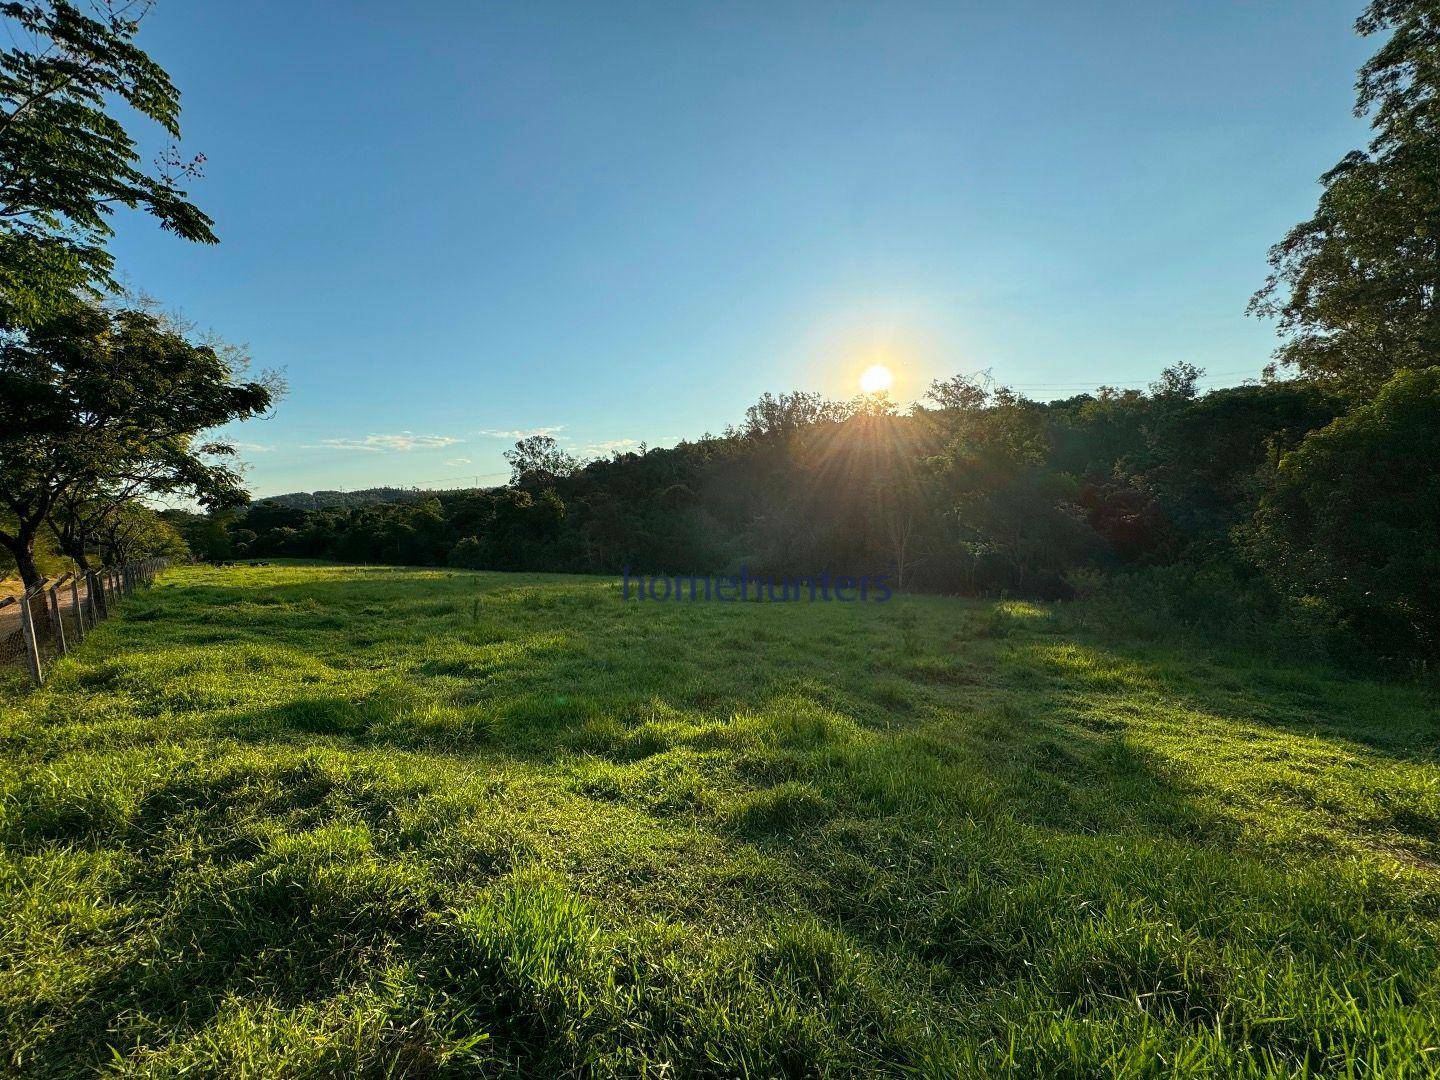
(451, 222)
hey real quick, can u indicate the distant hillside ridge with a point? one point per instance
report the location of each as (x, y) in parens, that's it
(329, 500)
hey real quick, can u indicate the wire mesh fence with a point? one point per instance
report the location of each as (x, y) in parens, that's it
(49, 619)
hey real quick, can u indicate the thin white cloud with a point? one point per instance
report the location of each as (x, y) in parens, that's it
(457, 461)
(403, 442)
(494, 433)
(252, 447)
(606, 448)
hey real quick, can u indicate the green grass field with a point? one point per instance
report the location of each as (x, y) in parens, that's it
(314, 819)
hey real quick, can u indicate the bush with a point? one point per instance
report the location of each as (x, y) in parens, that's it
(467, 553)
(1217, 603)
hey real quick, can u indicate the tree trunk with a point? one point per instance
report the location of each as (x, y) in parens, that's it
(79, 557)
(71, 542)
(22, 550)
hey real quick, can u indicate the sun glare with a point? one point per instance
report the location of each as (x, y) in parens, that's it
(876, 379)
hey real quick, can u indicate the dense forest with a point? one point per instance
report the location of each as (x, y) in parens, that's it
(980, 489)
(977, 490)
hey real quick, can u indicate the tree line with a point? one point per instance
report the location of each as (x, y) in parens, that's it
(977, 490)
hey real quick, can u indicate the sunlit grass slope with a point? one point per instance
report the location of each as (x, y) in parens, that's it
(294, 820)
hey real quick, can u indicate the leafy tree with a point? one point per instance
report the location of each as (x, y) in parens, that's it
(133, 532)
(269, 514)
(1096, 435)
(1178, 382)
(1352, 514)
(786, 414)
(94, 402)
(66, 162)
(539, 460)
(523, 530)
(206, 536)
(80, 516)
(1357, 287)
(960, 393)
(518, 530)
(46, 559)
(1017, 520)
(1202, 459)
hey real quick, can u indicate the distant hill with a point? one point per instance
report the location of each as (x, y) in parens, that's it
(321, 500)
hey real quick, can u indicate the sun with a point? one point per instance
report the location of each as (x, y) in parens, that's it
(876, 379)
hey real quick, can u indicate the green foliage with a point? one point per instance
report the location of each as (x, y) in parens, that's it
(133, 532)
(66, 162)
(984, 492)
(539, 460)
(1007, 501)
(1205, 461)
(205, 536)
(99, 408)
(320, 821)
(1355, 288)
(46, 557)
(1198, 605)
(1351, 518)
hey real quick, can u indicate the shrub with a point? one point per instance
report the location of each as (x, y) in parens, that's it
(1216, 602)
(467, 552)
